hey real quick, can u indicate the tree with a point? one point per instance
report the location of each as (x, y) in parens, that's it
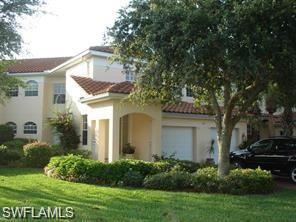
(225, 51)
(11, 11)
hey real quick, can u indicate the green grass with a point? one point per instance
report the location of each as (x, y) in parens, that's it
(29, 187)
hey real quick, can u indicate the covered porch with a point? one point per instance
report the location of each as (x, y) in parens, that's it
(114, 124)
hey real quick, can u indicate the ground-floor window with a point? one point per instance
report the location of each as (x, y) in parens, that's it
(13, 126)
(84, 130)
(30, 128)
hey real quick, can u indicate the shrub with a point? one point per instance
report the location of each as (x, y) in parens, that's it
(206, 180)
(174, 180)
(37, 154)
(181, 165)
(76, 168)
(239, 181)
(248, 181)
(64, 127)
(16, 145)
(84, 153)
(6, 133)
(133, 179)
(8, 156)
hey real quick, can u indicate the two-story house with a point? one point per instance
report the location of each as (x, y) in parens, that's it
(93, 90)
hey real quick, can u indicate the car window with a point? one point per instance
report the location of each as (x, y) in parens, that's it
(261, 146)
(285, 145)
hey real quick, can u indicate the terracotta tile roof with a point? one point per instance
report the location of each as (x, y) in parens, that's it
(101, 49)
(36, 65)
(185, 108)
(93, 87)
(96, 87)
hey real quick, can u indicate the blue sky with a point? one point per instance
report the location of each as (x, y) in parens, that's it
(68, 27)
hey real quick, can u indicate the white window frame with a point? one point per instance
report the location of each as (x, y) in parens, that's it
(30, 128)
(59, 93)
(32, 88)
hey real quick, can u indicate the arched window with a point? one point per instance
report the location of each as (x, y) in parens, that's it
(30, 128)
(32, 88)
(13, 126)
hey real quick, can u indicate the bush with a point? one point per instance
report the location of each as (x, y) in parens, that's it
(174, 180)
(37, 154)
(64, 127)
(8, 156)
(17, 145)
(76, 168)
(155, 174)
(248, 181)
(84, 153)
(181, 165)
(6, 133)
(206, 180)
(133, 179)
(239, 181)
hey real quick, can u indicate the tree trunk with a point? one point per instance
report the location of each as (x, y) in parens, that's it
(287, 121)
(224, 141)
(270, 125)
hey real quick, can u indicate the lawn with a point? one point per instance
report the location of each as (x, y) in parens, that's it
(29, 187)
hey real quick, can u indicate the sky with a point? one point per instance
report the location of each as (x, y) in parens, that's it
(68, 27)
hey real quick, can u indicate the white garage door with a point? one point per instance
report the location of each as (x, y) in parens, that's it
(178, 141)
(233, 146)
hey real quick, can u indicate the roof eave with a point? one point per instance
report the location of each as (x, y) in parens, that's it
(20, 74)
(78, 58)
(102, 97)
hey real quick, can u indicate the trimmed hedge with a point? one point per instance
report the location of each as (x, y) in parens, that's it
(248, 181)
(206, 180)
(239, 181)
(8, 156)
(159, 175)
(37, 154)
(174, 180)
(78, 169)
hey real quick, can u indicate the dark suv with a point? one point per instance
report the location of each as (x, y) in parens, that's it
(275, 154)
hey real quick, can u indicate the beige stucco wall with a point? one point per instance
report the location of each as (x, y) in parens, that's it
(103, 70)
(23, 109)
(202, 132)
(141, 135)
(49, 108)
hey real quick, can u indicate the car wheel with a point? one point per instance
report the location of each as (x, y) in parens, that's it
(293, 174)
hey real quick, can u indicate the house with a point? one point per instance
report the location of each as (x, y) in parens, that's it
(93, 89)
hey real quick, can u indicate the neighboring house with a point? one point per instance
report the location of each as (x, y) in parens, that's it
(93, 89)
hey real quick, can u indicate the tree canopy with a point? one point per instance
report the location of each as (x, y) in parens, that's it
(11, 13)
(226, 51)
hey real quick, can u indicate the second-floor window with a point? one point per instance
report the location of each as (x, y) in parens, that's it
(13, 91)
(129, 73)
(32, 88)
(189, 92)
(59, 93)
(130, 76)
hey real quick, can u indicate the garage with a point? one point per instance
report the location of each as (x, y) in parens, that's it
(233, 145)
(178, 141)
